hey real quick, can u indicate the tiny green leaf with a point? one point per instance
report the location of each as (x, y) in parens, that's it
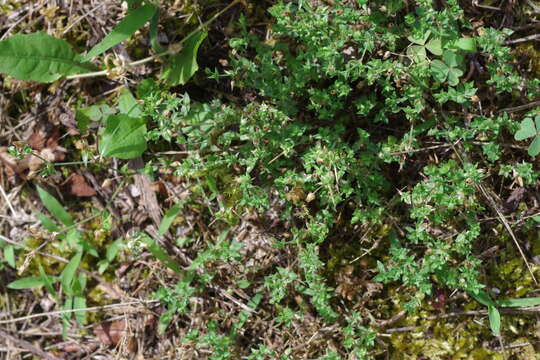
(417, 52)
(123, 137)
(182, 66)
(526, 130)
(39, 57)
(47, 222)
(131, 23)
(55, 208)
(86, 115)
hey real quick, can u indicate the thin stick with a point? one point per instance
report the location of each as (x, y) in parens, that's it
(523, 39)
(94, 308)
(521, 107)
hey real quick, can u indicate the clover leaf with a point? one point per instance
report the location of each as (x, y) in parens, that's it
(448, 69)
(527, 129)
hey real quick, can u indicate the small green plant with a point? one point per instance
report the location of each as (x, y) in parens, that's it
(530, 128)
(43, 58)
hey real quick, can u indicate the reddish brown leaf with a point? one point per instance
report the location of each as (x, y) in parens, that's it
(110, 333)
(77, 185)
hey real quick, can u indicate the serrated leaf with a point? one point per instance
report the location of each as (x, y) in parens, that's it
(526, 130)
(435, 46)
(494, 320)
(123, 137)
(466, 44)
(40, 57)
(182, 66)
(55, 208)
(66, 278)
(168, 218)
(525, 302)
(534, 148)
(28, 282)
(131, 23)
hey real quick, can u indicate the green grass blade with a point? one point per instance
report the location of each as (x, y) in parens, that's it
(525, 302)
(160, 254)
(55, 208)
(169, 217)
(131, 23)
(66, 278)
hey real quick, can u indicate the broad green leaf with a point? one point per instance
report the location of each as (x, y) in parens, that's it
(182, 66)
(419, 41)
(435, 46)
(160, 254)
(9, 255)
(537, 122)
(466, 44)
(526, 130)
(47, 222)
(123, 137)
(169, 217)
(536, 218)
(131, 23)
(453, 76)
(86, 115)
(30, 282)
(127, 104)
(494, 320)
(534, 148)
(66, 278)
(525, 302)
(39, 57)
(439, 70)
(55, 208)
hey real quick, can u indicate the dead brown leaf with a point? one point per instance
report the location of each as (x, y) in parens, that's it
(76, 185)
